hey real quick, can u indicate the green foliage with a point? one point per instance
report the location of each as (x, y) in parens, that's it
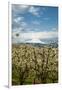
(34, 65)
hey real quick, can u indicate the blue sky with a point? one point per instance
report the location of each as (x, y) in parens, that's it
(37, 24)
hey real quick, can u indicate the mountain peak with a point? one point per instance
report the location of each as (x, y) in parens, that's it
(35, 41)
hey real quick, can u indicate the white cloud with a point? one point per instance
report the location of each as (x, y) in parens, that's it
(23, 24)
(23, 6)
(34, 11)
(17, 8)
(20, 29)
(40, 35)
(19, 22)
(34, 35)
(18, 19)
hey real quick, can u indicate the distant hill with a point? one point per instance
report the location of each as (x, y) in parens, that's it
(53, 45)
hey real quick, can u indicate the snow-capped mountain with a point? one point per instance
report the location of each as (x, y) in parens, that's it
(35, 41)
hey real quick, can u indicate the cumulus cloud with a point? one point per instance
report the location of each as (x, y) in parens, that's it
(18, 23)
(25, 8)
(17, 8)
(18, 19)
(34, 11)
(28, 22)
(18, 12)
